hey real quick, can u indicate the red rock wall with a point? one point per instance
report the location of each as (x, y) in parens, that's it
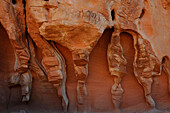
(85, 39)
(45, 99)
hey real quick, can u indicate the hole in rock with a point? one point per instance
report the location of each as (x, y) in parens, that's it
(46, 0)
(142, 13)
(113, 14)
(47, 8)
(165, 59)
(24, 2)
(113, 29)
(14, 1)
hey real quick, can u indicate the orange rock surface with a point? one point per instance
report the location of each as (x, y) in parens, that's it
(85, 56)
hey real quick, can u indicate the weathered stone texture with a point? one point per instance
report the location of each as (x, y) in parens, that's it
(85, 55)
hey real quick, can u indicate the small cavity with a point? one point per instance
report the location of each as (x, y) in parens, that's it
(113, 29)
(164, 59)
(14, 2)
(113, 14)
(142, 13)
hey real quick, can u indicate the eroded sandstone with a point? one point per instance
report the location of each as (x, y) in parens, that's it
(78, 26)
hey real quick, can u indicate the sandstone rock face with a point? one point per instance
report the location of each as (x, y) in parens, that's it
(85, 55)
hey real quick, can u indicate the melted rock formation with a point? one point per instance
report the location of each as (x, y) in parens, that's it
(78, 25)
(146, 65)
(117, 67)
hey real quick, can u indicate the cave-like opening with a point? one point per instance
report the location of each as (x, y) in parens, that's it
(14, 2)
(113, 14)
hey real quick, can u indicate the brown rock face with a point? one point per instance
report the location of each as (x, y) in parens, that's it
(85, 56)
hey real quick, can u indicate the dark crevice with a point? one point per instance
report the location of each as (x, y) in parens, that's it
(46, 0)
(47, 8)
(28, 37)
(164, 59)
(26, 29)
(113, 14)
(24, 3)
(142, 13)
(113, 29)
(14, 2)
